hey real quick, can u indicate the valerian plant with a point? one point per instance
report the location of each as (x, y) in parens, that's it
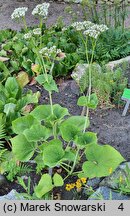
(55, 138)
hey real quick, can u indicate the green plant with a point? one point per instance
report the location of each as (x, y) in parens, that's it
(13, 102)
(111, 13)
(44, 131)
(43, 188)
(124, 181)
(108, 85)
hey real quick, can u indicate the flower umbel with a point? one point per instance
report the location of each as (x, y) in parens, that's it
(37, 31)
(19, 12)
(41, 10)
(89, 29)
(28, 35)
(50, 52)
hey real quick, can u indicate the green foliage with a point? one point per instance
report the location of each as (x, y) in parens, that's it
(72, 127)
(47, 81)
(23, 53)
(12, 170)
(100, 160)
(91, 102)
(124, 181)
(13, 101)
(112, 13)
(86, 138)
(112, 45)
(107, 85)
(45, 184)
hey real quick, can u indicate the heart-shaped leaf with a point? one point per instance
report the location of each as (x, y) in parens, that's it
(100, 160)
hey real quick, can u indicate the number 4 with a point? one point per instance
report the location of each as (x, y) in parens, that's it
(121, 207)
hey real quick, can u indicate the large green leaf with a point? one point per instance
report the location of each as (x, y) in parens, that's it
(43, 112)
(58, 180)
(12, 87)
(44, 186)
(22, 148)
(86, 138)
(85, 101)
(37, 133)
(53, 153)
(72, 127)
(23, 123)
(101, 159)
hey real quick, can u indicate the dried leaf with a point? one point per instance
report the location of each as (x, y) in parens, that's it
(22, 78)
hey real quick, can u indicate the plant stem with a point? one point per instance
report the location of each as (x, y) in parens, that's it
(25, 24)
(90, 82)
(50, 96)
(74, 164)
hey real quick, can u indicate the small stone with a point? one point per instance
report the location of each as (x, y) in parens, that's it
(105, 193)
(12, 195)
(93, 182)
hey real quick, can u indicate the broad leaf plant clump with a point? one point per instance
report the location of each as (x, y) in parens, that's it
(48, 134)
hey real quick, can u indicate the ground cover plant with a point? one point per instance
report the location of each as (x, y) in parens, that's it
(48, 134)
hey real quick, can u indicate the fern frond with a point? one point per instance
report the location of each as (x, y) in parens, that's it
(2, 135)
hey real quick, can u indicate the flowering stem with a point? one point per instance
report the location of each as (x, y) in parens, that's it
(40, 25)
(25, 24)
(90, 80)
(50, 96)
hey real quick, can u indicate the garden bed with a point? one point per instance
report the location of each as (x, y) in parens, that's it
(110, 126)
(48, 145)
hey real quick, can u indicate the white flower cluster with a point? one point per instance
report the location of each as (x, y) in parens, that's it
(41, 10)
(81, 26)
(28, 35)
(95, 30)
(89, 28)
(50, 52)
(37, 31)
(19, 12)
